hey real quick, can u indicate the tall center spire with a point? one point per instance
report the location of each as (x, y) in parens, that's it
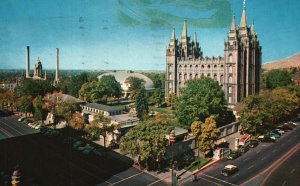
(184, 30)
(243, 23)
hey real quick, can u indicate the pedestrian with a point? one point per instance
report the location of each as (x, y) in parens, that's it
(195, 178)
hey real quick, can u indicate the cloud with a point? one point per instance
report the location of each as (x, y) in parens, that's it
(165, 13)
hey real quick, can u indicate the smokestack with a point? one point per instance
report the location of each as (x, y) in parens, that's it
(57, 63)
(27, 62)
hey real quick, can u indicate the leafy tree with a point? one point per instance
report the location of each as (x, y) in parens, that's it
(135, 84)
(278, 78)
(92, 92)
(141, 104)
(111, 85)
(199, 99)
(26, 106)
(38, 108)
(147, 142)
(77, 121)
(207, 133)
(101, 125)
(159, 97)
(66, 109)
(30, 87)
(171, 100)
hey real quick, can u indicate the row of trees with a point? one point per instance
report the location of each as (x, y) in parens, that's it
(265, 111)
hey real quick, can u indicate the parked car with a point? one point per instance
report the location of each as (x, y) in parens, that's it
(280, 131)
(293, 124)
(21, 119)
(266, 138)
(272, 134)
(276, 132)
(233, 155)
(287, 126)
(253, 143)
(98, 151)
(229, 170)
(76, 144)
(243, 148)
(38, 126)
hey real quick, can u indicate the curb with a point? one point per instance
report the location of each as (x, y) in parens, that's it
(205, 167)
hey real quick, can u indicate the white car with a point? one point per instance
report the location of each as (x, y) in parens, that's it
(21, 119)
(293, 123)
(37, 126)
(280, 131)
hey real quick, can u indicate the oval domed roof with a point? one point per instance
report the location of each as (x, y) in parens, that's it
(121, 76)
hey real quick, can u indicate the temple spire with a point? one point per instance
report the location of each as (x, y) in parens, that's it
(243, 23)
(253, 29)
(173, 34)
(184, 30)
(233, 24)
(195, 38)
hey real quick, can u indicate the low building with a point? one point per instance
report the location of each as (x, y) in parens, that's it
(10, 86)
(93, 108)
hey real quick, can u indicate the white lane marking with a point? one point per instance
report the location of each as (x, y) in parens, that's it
(218, 179)
(235, 175)
(251, 167)
(127, 178)
(292, 171)
(245, 159)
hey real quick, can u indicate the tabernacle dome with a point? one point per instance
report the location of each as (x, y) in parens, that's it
(121, 77)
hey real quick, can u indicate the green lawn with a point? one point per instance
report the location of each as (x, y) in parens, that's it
(165, 110)
(195, 164)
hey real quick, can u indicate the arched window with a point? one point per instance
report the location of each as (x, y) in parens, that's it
(185, 76)
(229, 90)
(222, 79)
(202, 66)
(208, 66)
(215, 66)
(180, 76)
(230, 69)
(191, 66)
(215, 76)
(230, 79)
(196, 76)
(191, 76)
(230, 58)
(170, 75)
(208, 75)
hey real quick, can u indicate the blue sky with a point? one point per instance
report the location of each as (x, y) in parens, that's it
(133, 34)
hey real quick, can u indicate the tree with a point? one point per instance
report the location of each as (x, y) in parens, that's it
(30, 87)
(26, 106)
(77, 121)
(111, 85)
(207, 133)
(198, 100)
(101, 125)
(134, 85)
(278, 78)
(171, 100)
(141, 103)
(146, 141)
(66, 109)
(38, 108)
(92, 92)
(159, 97)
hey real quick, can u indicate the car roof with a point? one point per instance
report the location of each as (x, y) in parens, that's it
(230, 167)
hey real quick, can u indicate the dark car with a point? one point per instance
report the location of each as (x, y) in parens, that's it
(243, 148)
(253, 143)
(233, 155)
(229, 170)
(276, 132)
(267, 138)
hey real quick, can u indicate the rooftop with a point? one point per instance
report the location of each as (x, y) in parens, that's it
(102, 107)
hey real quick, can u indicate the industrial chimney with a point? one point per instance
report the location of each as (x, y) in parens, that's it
(57, 63)
(27, 62)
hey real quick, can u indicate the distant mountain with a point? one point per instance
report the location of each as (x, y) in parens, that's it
(293, 61)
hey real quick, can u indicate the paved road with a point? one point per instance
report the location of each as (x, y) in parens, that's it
(253, 165)
(285, 174)
(10, 127)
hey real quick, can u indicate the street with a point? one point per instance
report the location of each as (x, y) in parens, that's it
(255, 165)
(11, 127)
